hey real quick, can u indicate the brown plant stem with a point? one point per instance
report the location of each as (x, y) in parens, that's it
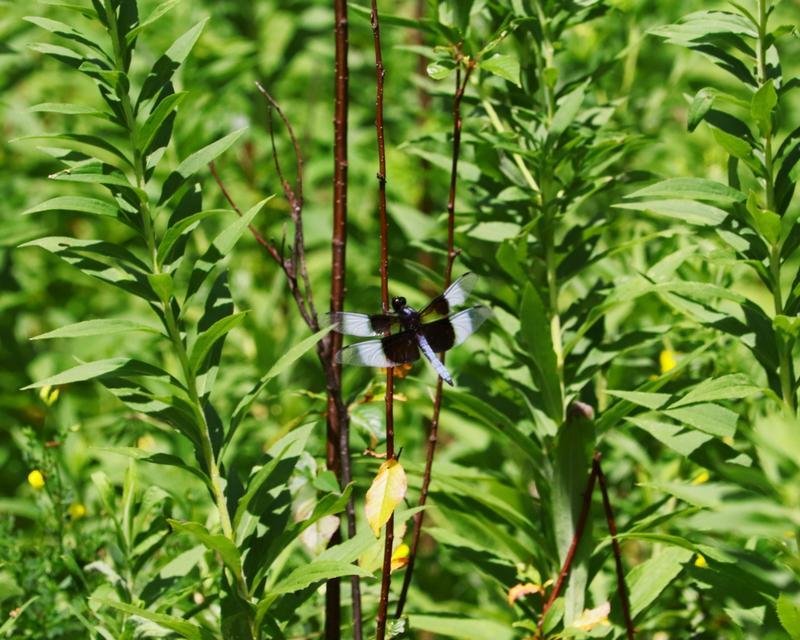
(383, 603)
(433, 432)
(612, 529)
(573, 547)
(338, 449)
(295, 270)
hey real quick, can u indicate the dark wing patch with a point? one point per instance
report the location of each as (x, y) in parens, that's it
(439, 334)
(401, 348)
(382, 323)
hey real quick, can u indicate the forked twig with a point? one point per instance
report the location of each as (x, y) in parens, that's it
(292, 265)
(596, 474)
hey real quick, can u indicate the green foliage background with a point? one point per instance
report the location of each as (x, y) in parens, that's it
(704, 486)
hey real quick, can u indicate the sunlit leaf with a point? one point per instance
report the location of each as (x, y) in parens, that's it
(386, 491)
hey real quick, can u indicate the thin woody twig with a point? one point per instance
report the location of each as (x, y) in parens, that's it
(256, 234)
(437, 400)
(294, 195)
(612, 529)
(383, 603)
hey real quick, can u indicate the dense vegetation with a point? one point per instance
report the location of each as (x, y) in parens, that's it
(180, 454)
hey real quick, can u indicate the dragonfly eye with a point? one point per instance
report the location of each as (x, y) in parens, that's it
(398, 303)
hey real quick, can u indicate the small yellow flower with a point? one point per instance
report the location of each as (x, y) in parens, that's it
(36, 479)
(49, 395)
(146, 442)
(77, 511)
(701, 477)
(400, 557)
(700, 562)
(667, 360)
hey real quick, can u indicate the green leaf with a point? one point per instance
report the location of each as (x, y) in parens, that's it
(503, 65)
(100, 327)
(691, 189)
(647, 580)
(642, 398)
(82, 372)
(208, 338)
(196, 161)
(439, 70)
(67, 109)
(215, 542)
(535, 330)
(567, 111)
(711, 418)
(734, 145)
(767, 223)
(162, 71)
(489, 416)
(290, 446)
(685, 442)
(281, 365)
(493, 231)
(165, 459)
(162, 284)
(789, 615)
(150, 128)
(762, 105)
(178, 625)
(159, 11)
(461, 626)
(221, 246)
(708, 495)
(65, 31)
(176, 231)
(305, 576)
(683, 210)
(730, 387)
(76, 204)
(702, 102)
(573, 455)
(80, 142)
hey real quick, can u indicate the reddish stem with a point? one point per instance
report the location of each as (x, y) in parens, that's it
(338, 449)
(383, 603)
(433, 432)
(612, 529)
(573, 547)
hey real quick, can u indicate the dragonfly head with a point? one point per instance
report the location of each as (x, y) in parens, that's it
(398, 303)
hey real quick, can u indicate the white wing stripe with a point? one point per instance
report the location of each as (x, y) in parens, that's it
(352, 324)
(365, 354)
(466, 322)
(457, 293)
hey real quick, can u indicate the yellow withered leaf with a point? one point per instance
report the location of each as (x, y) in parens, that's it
(387, 491)
(591, 618)
(519, 590)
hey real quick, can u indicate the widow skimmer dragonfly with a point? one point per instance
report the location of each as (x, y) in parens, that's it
(430, 338)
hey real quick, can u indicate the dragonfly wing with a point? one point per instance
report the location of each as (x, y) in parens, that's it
(359, 324)
(456, 294)
(466, 322)
(390, 351)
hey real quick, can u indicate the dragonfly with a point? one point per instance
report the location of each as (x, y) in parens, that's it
(414, 335)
